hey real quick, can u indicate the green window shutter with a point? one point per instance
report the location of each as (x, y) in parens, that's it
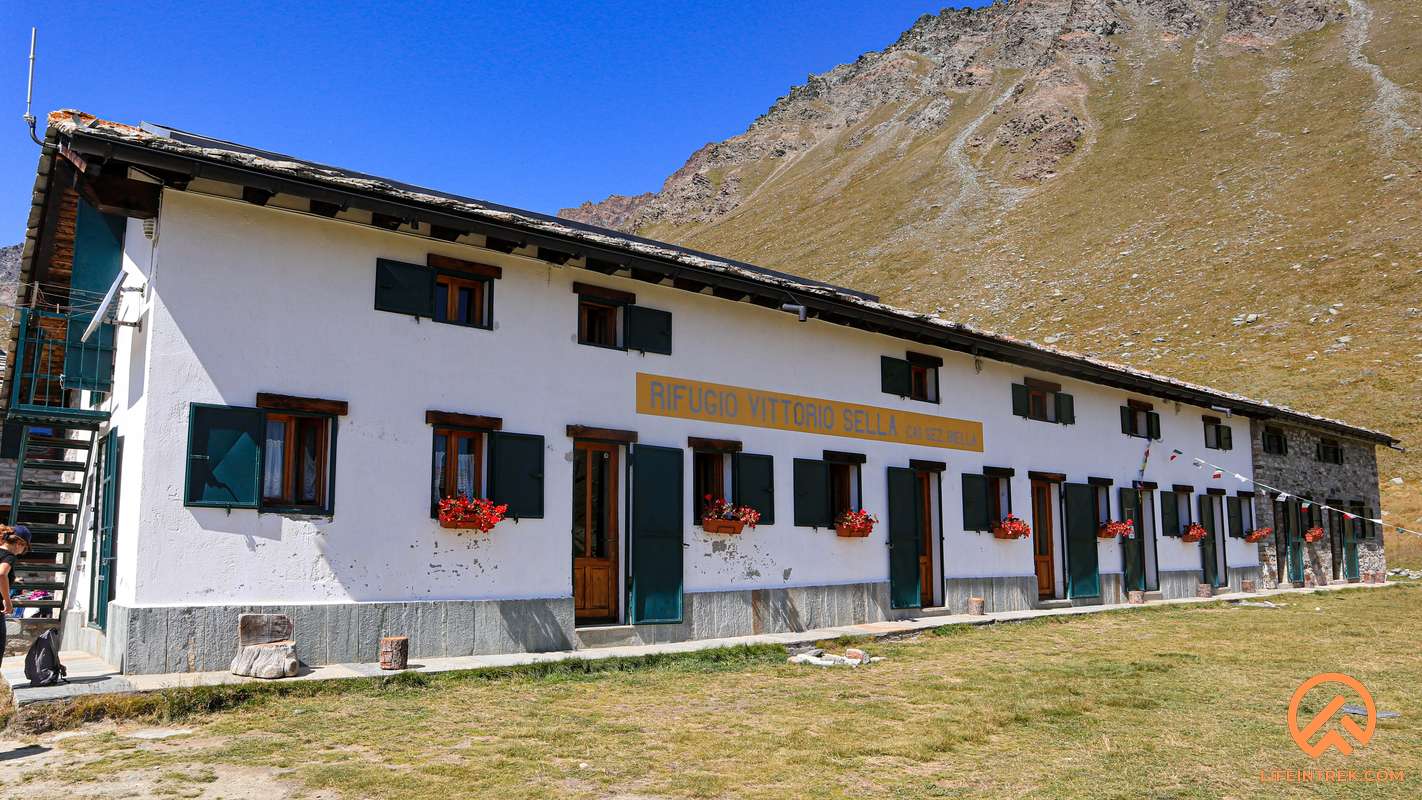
(1132, 550)
(1153, 425)
(812, 505)
(224, 456)
(975, 503)
(516, 473)
(1126, 420)
(1082, 568)
(648, 329)
(1066, 409)
(904, 539)
(1236, 517)
(1207, 512)
(404, 288)
(1129, 498)
(1020, 406)
(754, 484)
(895, 377)
(1170, 514)
(1226, 438)
(657, 534)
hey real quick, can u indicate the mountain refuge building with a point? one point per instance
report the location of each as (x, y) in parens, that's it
(242, 381)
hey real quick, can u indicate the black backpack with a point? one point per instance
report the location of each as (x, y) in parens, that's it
(42, 665)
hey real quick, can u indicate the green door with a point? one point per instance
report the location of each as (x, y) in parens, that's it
(1208, 565)
(1350, 548)
(657, 525)
(1083, 570)
(1296, 545)
(106, 522)
(905, 535)
(1133, 550)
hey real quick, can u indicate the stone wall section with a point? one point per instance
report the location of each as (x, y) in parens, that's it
(1299, 472)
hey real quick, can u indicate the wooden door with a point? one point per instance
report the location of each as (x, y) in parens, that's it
(595, 568)
(926, 578)
(1042, 533)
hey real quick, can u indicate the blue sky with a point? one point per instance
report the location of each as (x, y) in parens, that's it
(533, 105)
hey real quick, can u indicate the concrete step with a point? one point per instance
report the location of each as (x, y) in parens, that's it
(607, 636)
(1046, 604)
(1149, 596)
(936, 611)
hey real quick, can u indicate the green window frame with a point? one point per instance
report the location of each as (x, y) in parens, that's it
(227, 459)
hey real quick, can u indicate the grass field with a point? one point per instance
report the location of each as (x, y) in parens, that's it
(1179, 702)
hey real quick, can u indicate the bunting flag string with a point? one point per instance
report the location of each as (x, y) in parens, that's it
(1280, 494)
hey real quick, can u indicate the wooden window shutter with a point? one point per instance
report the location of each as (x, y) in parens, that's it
(754, 484)
(895, 376)
(1020, 406)
(1129, 498)
(1236, 517)
(224, 467)
(1170, 514)
(812, 502)
(1126, 420)
(516, 473)
(1066, 409)
(1153, 424)
(1226, 438)
(404, 288)
(1207, 512)
(648, 329)
(975, 503)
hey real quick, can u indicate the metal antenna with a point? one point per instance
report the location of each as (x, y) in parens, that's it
(30, 91)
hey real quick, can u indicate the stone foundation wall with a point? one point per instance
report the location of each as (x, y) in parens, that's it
(155, 639)
(1015, 593)
(1299, 472)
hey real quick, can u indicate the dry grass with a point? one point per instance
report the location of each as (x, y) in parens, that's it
(1163, 702)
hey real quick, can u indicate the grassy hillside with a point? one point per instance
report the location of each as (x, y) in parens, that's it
(1211, 182)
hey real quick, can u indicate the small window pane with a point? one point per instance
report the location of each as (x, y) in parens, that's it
(580, 506)
(441, 491)
(467, 467)
(441, 309)
(310, 431)
(273, 485)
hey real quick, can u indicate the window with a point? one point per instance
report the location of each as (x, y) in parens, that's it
(598, 323)
(1043, 401)
(825, 489)
(1218, 436)
(987, 498)
(1137, 419)
(295, 452)
(708, 480)
(1102, 497)
(1175, 511)
(1330, 451)
(461, 301)
(445, 289)
(1274, 442)
(279, 456)
(915, 376)
(1240, 510)
(458, 465)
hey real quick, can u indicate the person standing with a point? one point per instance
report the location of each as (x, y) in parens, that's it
(14, 542)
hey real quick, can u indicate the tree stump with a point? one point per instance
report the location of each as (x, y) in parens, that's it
(1204, 590)
(975, 606)
(1247, 585)
(1135, 597)
(1308, 579)
(394, 652)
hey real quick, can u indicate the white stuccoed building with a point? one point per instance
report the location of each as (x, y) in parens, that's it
(305, 360)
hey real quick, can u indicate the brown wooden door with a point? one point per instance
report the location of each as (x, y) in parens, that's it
(926, 579)
(1042, 534)
(595, 568)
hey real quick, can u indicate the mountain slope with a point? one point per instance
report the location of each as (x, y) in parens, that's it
(1223, 190)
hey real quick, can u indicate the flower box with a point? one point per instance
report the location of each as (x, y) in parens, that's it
(1194, 532)
(730, 527)
(1117, 528)
(855, 524)
(1011, 527)
(1258, 535)
(1314, 534)
(477, 514)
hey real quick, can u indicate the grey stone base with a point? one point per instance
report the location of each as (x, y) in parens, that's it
(1015, 593)
(155, 639)
(1176, 584)
(1113, 588)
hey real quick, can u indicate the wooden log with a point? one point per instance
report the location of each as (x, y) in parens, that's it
(975, 606)
(394, 652)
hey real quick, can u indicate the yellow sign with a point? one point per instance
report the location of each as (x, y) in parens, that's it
(662, 396)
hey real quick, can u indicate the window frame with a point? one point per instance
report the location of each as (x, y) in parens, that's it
(452, 434)
(1140, 418)
(454, 281)
(844, 478)
(325, 469)
(709, 464)
(1327, 446)
(923, 383)
(1277, 437)
(586, 303)
(999, 494)
(1102, 503)
(1215, 436)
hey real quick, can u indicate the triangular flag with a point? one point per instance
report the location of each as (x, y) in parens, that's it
(1241, 478)
(1283, 496)
(1305, 505)
(1346, 515)
(1174, 454)
(1216, 474)
(1199, 463)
